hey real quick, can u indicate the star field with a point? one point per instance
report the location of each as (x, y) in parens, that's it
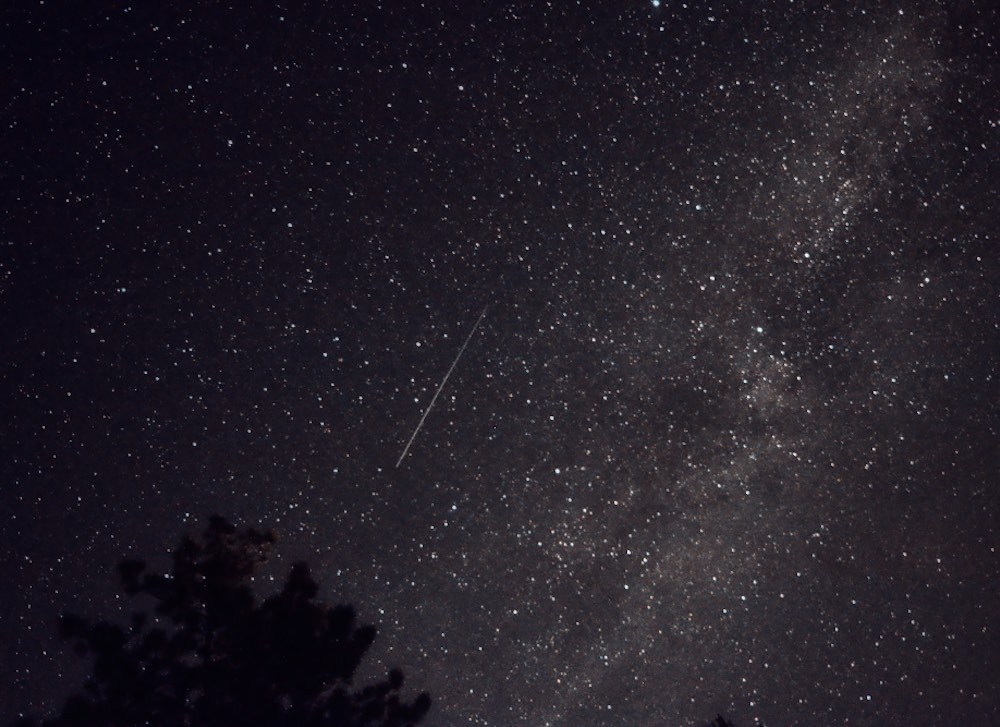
(724, 439)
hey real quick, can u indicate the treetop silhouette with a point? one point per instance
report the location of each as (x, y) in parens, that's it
(210, 654)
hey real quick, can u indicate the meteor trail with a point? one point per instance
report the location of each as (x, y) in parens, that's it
(441, 386)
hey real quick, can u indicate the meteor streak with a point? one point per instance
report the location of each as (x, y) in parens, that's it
(441, 386)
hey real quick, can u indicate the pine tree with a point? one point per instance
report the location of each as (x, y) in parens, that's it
(210, 654)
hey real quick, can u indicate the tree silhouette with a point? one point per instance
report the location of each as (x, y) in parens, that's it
(721, 721)
(211, 655)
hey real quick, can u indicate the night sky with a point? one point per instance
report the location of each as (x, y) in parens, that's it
(723, 435)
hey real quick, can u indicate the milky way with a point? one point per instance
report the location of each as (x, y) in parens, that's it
(725, 441)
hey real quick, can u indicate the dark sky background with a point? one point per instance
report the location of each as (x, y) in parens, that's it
(724, 440)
